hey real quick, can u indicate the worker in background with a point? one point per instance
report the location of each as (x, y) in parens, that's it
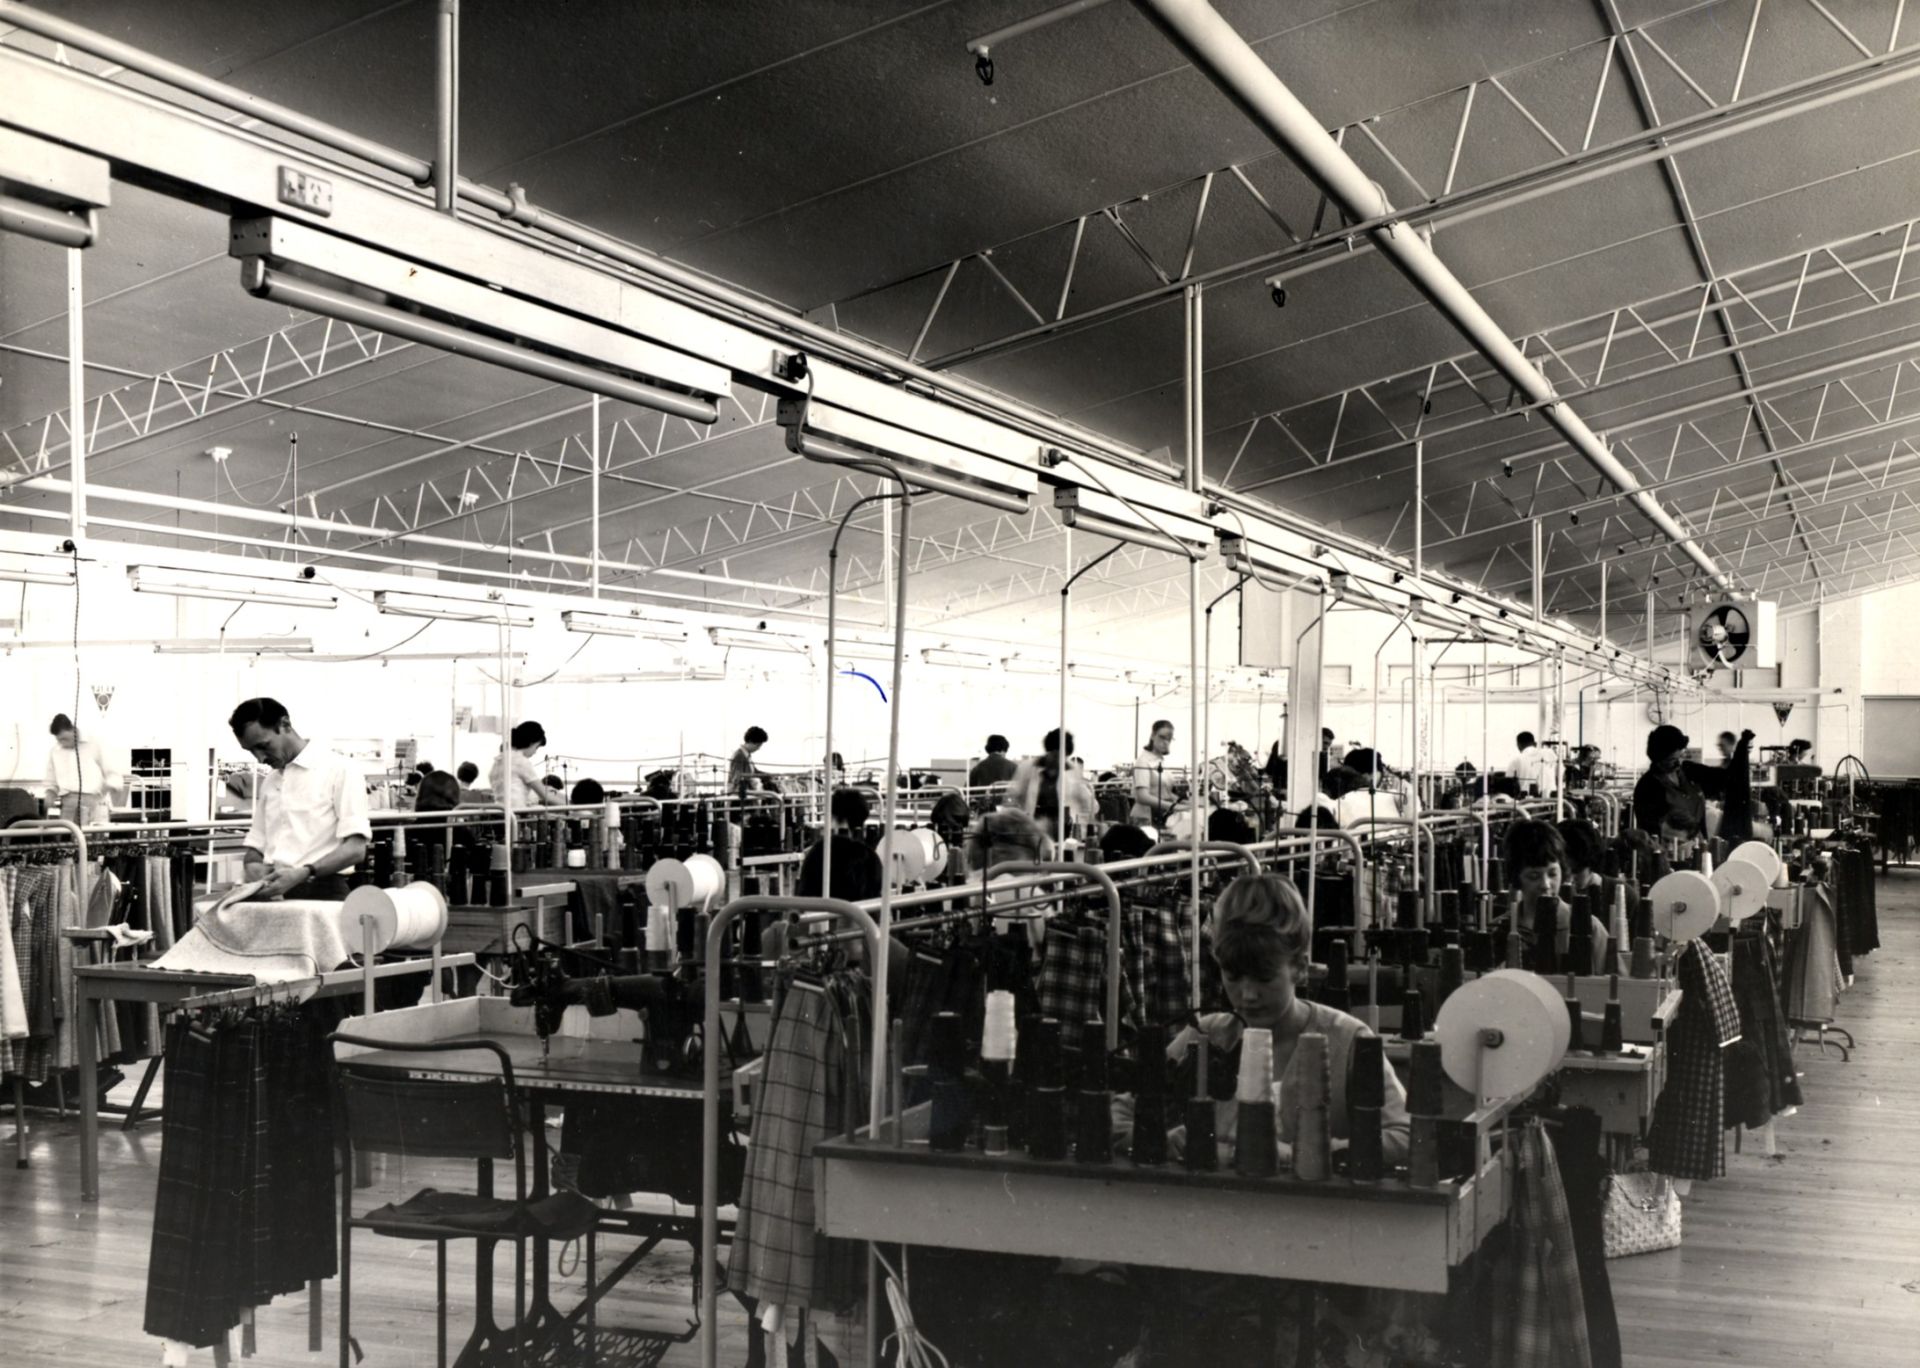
(857, 872)
(1152, 795)
(743, 775)
(996, 768)
(310, 815)
(1670, 800)
(467, 775)
(1376, 797)
(80, 779)
(1037, 785)
(513, 773)
(1726, 741)
(1533, 768)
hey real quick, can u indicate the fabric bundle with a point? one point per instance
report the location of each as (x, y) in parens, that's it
(1687, 1139)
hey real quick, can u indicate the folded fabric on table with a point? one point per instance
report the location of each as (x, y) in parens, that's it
(272, 941)
(562, 1216)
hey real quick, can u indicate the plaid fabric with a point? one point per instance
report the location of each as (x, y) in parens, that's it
(1756, 990)
(1686, 1139)
(1166, 974)
(814, 1086)
(185, 1203)
(1545, 1320)
(1073, 973)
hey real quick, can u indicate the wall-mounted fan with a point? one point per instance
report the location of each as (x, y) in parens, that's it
(1735, 634)
(1724, 634)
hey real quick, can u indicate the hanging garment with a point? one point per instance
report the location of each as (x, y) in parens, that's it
(1161, 967)
(1576, 1138)
(1768, 1084)
(814, 1086)
(1813, 960)
(1686, 1139)
(1544, 1324)
(244, 1210)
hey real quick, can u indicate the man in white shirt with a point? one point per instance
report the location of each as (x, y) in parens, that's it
(310, 813)
(80, 778)
(1533, 768)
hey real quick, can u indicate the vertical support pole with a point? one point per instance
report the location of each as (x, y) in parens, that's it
(1651, 609)
(1559, 729)
(594, 456)
(1422, 885)
(505, 795)
(1486, 763)
(1539, 572)
(1196, 450)
(77, 393)
(1419, 508)
(1060, 786)
(826, 762)
(1605, 565)
(446, 93)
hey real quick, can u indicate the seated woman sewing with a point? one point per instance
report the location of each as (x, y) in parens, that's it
(1261, 941)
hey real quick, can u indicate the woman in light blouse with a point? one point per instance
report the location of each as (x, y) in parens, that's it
(524, 782)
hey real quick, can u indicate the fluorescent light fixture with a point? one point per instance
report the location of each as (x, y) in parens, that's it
(964, 660)
(1089, 510)
(471, 319)
(17, 569)
(152, 579)
(1029, 665)
(1101, 672)
(234, 646)
(50, 192)
(493, 612)
(615, 624)
(744, 639)
(1152, 680)
(863, 650)
(834, 436)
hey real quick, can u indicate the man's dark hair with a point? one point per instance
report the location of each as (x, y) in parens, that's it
(587, 791)
(1729, 736)
(1158, 725)
(1533, 845)
(1326, 736)
(554, 782)
(268, 712)
(528, 734)
(426, 767)
(756, 736)
(851, 807)
(467, 773)
(1523, 740)
(61, 722)
(997, 744)
(1050, 743)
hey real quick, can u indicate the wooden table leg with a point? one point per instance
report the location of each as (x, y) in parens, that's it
(89, 1099)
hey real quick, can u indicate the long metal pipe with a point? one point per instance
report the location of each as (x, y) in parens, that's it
(446, 93)
(1199, 31)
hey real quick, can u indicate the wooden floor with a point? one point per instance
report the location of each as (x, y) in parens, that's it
(1811, 1258)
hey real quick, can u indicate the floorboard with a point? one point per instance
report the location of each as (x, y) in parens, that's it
(1810, 1257)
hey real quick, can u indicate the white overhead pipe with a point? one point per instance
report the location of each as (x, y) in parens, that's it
(1226, 58)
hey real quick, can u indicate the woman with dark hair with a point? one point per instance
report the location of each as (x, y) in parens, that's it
(1671, 798)
(513, 773)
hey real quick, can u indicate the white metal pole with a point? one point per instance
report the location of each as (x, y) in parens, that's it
(77, 391)
(1060, 785)
(1196, 443)
(594, 456)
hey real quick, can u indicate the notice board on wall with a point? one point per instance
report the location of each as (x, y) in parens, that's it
(1891, 747)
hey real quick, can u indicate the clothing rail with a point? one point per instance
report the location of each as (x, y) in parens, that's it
(710, 1273)
(1233, 848)
(44, 826)
(302, 989)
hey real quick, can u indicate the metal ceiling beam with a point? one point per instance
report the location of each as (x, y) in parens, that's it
(1198, 30)
(1445, 206)
(1696, 244)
